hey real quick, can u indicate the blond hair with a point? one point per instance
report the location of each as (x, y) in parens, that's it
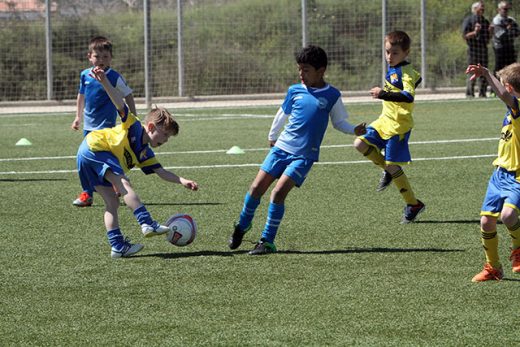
(163, 119)
(511, 75)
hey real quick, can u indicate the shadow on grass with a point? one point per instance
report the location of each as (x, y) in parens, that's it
(510, 279)
(31, 179)
(335, 251)
(183, 203)
(460, 221)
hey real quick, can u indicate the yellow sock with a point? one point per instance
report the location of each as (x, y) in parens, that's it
(490, 243)
(375, 156)
(515, 235)
(403, 185)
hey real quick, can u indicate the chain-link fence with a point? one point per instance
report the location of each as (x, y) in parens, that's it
(227, 46)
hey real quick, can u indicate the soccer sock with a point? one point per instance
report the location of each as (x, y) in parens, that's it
(490, 243)
(514, 231)
(375, 156)
(143, 216)
(401, 182)
(115, 238)
(274, 218)
(248, 211)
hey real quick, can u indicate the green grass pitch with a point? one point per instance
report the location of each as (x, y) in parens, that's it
(347, 273)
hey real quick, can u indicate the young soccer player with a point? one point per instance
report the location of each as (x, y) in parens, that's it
(93, 103)
(503, 193)
(106, 154)
(307, 107)
(391, 131)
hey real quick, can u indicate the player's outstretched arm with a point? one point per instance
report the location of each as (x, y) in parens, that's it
(99, 74)
(171, 177)
(477, 71)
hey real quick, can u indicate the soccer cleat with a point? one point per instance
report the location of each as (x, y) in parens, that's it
(489, 273)
(384, 181)
(154, 229)
(236, 238)
(515, 260)
(412, 211)
(83, 200)
(126, 249)
(263, 247)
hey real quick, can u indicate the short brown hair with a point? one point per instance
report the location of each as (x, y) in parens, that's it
(399, 38)
(164, 119)
(100, 43)
(511, 74)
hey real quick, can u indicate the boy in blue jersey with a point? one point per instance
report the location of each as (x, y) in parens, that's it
(307, 107)
(391, 131)
(503, 193)
(93, 103)
(107, 154)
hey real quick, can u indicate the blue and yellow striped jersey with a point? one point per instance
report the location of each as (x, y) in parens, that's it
(509, 144)
(396, 117)
(125, 141)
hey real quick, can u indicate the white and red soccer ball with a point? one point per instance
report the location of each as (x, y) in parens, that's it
(183, 229)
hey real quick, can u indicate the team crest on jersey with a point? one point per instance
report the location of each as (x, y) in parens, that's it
(394, 78)
(322, 103)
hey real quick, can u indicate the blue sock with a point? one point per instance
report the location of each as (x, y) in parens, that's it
(115, 238)
(274, 218)
(248, 211)
(143, 216)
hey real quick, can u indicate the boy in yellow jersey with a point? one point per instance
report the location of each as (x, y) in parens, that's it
(107, 154)
(391, 131)
(503, 192)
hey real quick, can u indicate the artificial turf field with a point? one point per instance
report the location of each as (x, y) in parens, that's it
(347, 273)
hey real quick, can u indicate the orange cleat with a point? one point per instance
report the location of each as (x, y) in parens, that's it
(83, 200)
(489, 273)
(515, 260)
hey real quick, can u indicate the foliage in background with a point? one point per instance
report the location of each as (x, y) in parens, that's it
(230, 46)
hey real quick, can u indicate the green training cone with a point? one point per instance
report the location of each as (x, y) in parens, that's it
(235, 150)
(23, 142)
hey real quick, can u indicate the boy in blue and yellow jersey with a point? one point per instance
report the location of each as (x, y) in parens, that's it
(93, 103)
(503, 192)
(107, 154)
(307, 108)
(391, 131)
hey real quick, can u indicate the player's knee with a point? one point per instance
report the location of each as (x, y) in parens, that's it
(360, 146)
(509, 217)
(488, 223)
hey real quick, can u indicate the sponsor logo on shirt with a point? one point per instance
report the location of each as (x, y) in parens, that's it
(322, 103)
(128, 159)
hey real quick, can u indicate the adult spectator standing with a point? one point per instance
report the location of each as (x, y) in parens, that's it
(505, 31)
(476, 30)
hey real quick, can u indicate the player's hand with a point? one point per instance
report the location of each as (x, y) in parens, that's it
(98, 73)
(271, 143)
(360, 129)
(75, 124)
(191, 185)
(375, 92)
(476, 71)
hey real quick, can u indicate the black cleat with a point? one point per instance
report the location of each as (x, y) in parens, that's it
(412, 211)
(384, 181)
(236, 238)
(263, 247)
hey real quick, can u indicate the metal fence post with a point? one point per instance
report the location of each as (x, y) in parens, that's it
(180, 53)
(304, 23)
(383, 33)
(423, 43)
(147, 62)
(48, 49)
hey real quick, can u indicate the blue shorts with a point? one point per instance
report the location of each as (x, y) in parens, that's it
(280, 162)
(92, 167)
(396, 148)
(503, 189)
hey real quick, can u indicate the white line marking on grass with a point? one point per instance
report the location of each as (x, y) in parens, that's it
(209, 151)
(226, 166)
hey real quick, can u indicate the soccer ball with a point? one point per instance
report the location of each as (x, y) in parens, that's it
(183, 229)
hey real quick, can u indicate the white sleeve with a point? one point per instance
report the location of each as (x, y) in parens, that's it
(339, 116)
(278, 123)
(123, 87)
